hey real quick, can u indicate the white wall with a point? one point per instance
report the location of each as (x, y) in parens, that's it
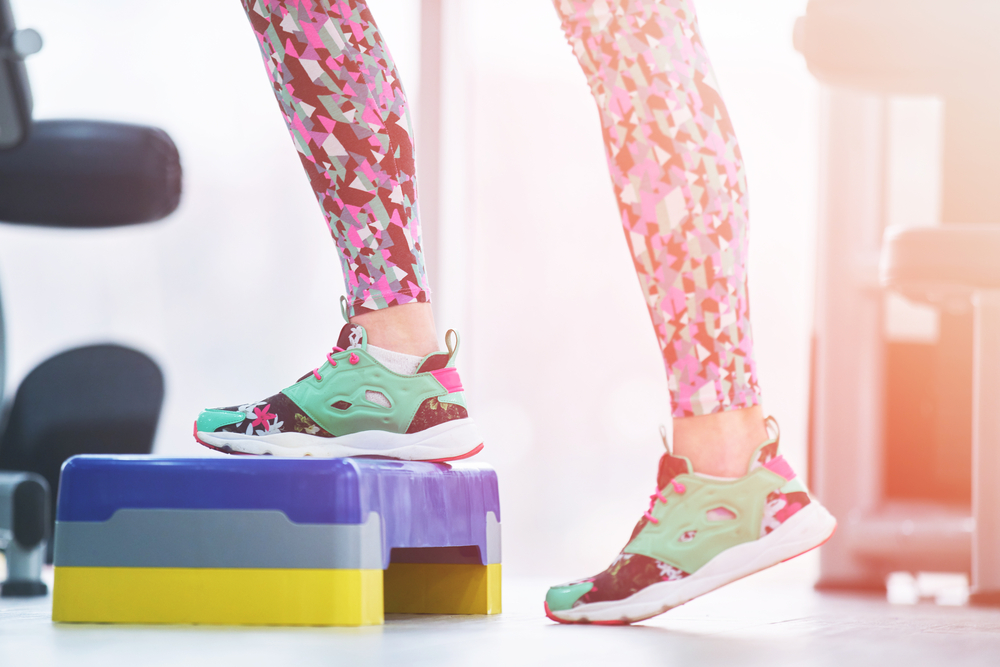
(236, 293)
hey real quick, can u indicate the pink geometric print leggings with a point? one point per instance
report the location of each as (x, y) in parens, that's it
(675, 166)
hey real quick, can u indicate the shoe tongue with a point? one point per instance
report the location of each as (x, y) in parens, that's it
(670, 467)
(353, 336)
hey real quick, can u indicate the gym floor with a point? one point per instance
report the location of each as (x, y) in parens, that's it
(773, 618)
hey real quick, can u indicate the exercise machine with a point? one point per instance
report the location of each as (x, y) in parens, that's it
(902, 448)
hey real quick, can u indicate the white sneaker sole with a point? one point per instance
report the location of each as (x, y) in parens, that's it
(805, 530)
(455, 439)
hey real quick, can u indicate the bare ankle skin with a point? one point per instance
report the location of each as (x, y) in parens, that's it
(408, 328)
(720, 444)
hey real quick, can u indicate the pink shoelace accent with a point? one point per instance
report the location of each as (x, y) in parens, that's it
(678, 487)
(652, 503)
(332, 361)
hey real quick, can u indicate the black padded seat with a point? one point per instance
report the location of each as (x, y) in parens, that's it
(88, 173)
(99, 399)
(940, 264)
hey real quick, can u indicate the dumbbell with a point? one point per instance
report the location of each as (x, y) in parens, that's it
(24, 527)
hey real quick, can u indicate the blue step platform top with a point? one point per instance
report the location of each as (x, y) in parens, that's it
(416, 505)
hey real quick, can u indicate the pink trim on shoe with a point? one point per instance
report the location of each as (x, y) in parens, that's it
(448, 377)
(779, 465)
(478, 448)
(218, 449)
(555, 618)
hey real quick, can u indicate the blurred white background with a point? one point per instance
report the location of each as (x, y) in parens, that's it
(235, 295)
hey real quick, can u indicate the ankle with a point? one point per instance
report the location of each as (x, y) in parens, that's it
(408, 329)
(720, 444)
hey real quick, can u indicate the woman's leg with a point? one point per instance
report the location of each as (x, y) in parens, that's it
(383, 389)
(681, 189)
(343, 101)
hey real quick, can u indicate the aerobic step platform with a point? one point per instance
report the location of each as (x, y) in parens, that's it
(269, 541)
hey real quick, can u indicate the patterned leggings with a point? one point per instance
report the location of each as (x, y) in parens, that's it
(675, 165)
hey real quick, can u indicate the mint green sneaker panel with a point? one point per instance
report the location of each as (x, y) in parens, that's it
(349, 382)
(682, 513)
(210, 420)
(793, 485)
(560, 598)
(458, 398)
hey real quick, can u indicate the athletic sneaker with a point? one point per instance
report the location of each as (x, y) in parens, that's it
(352, 405)
(700, 533)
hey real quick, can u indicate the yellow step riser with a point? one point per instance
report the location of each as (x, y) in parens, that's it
(218, 596)
(430, 588)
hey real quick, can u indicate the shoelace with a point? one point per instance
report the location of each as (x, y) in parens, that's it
(678, 487)
(333, 362)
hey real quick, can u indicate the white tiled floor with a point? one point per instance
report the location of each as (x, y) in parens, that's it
(770, 619)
